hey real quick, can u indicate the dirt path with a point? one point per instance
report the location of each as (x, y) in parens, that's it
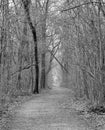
(51, 111)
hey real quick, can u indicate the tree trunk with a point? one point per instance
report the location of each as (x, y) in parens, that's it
(3, 39)
(43, 75)
(26, 4)
(43, 55)
(20, 54)
(85, 84)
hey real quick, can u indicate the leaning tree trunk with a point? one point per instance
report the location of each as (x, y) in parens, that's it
(26, 4)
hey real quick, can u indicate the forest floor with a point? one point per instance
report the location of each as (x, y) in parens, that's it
(52, 110)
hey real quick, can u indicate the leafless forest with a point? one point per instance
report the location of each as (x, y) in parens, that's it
(46, 44)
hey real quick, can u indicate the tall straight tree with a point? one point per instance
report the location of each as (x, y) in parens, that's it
(20, 54)
(26, 4)
(3, 40)
(3, 44)
(43, 55)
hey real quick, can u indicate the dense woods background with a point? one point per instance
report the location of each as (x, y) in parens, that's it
(35, 33)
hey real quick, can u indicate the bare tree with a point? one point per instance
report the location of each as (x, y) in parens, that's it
(26, 4)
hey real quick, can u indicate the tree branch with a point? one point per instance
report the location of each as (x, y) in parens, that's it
(24, 68)
(77, 6)
(59, 62)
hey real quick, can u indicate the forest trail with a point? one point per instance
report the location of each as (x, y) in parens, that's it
(49, 111)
